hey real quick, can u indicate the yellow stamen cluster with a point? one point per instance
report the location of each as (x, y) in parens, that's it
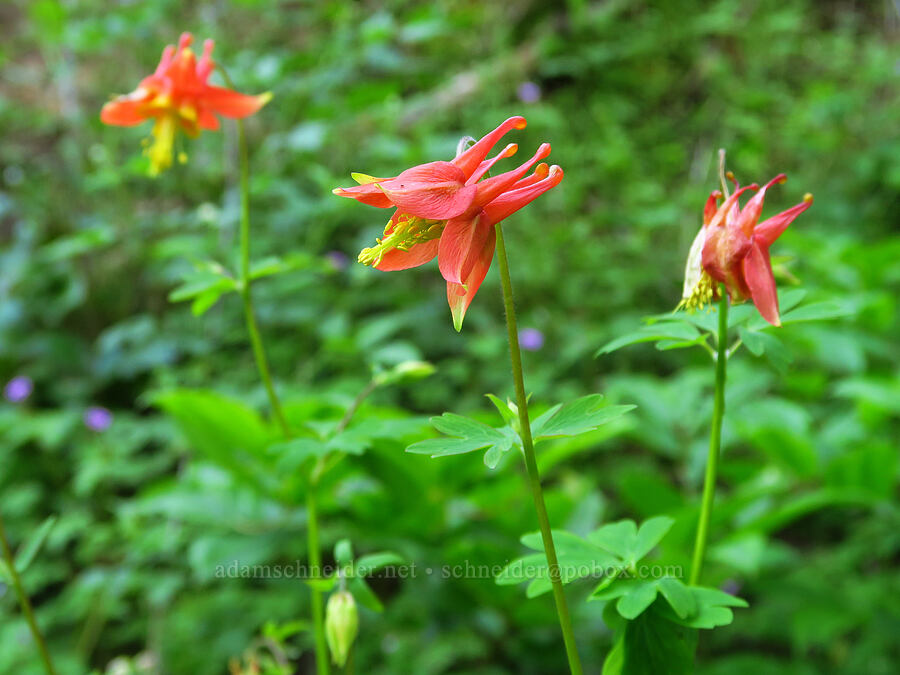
(699, 288)
(407, 232)
(160, 150)
(700, 295)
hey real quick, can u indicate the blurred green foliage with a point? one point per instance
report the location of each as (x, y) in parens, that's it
(635, 97)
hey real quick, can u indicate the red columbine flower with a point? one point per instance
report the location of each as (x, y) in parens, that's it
(733, 248)
(177, 96)
(445, 209)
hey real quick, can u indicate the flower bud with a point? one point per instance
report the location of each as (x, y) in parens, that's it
(341, 625)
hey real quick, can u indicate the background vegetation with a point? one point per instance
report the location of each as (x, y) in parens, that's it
(635, 98)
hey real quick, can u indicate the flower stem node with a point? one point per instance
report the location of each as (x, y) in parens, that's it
(341, 625)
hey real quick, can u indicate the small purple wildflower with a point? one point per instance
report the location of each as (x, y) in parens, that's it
(337, 259)
(531, 339)
(97, 418)
(529, 92)
(731, 586)
(18, 389)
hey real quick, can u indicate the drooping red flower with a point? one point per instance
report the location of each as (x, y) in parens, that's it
(732, 247)
(178, 96)
(449, 210)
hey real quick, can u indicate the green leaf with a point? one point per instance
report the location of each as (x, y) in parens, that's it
(323, 585)
(709, 597)
(467, 435)
(371, 563)
(615, 587)
(654, 645)
(816, 311)
(625, 540)
(615, 660)
(678, 596)
(224, 430)
(276, 265)
(577, 417)
(493, 455)
(29, 550)
(522, 569)
(632, 604)
(505, 410)
(364, 595)
(650, 534)
(205, 285)
(712, 608)
(195, 285)
(759, 342)
(871, 469)
(662, 330)
(577, 558)
(666, 345)
(743, 552)
(292, 455)
(353, 441)
(617, 537)
(79, 243)
(753, 341)
(281, 632)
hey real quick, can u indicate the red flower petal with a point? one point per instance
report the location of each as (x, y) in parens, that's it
(491, 188)
(750, 214)
(732, 201)
(471, 158)
(541, 171)
(232, 104)
(761, 282)
(206, 64)
(485, 166)
(461, 242)
(435, 191)
(510, 202)
(769, 230)
(183, 69)
(395, 259)
(459, 296)
(367, 194)
(711, 207)
(165, 60)
(124, 111)
(207, 120)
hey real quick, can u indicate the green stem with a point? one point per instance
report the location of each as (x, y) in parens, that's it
(259, 353)
(315, 564)
(534, 479)
(715, 442)
(262, 365)
(24, 602)
(351, 411)
(315, 560)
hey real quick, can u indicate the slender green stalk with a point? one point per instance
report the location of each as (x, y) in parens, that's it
(262, 365)
(715, 442)
(24, 602)
(259, 353)
(358, 401)
(315, 564)
(534, 479)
